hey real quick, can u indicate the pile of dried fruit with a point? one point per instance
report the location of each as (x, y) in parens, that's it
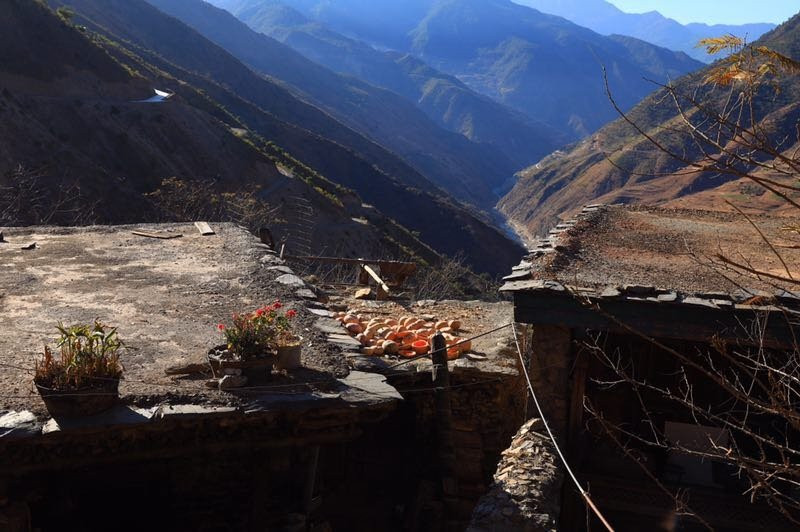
(407, 336)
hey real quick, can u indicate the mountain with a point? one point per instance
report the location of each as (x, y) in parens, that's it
(607, 19)
(467, 170)
(71, 113)
(444, 99)
(617, 165)
(542, 65)
(72, 117)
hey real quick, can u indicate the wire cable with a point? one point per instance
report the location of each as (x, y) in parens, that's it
(583, 492)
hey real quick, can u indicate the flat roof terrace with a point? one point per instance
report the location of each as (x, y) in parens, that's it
(165, 295)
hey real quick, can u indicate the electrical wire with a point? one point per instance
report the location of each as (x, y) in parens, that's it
(586, 497)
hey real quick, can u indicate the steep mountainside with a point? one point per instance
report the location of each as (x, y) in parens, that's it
(443, 98)
(617, 165)
(541, 65)
(465, 169)
(607, 19)
(70, 112)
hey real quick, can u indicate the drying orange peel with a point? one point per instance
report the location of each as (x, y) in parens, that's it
(406, 336)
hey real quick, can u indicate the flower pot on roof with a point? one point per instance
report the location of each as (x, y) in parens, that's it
(290, 348)
(82, 379)
(251, 343)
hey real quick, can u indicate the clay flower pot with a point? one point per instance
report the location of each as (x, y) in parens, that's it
(99, 397)
(289, 356)
(255, 369)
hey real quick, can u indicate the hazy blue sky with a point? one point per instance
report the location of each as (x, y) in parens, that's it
(715, 11)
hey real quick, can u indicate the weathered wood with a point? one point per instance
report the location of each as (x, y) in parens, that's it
(444, 421)
(383, 289)
(162, 236)
(394, 273)
(658, 320)
(204, 228)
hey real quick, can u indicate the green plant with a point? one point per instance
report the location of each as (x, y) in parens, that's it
(65, 13)
(88, 353)
(256, 333)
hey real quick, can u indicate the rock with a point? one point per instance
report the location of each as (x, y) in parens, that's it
(233, 371)
(282, 269)
(189, 368)
(291, 280)
(230, 382)
(305, 293)
(30, 246)
(363, 293)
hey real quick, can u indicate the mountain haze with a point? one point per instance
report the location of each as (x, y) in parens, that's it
(466, 170)
(443, 98)
(71, 115)
(617, 165)
(607, 19)
(541, 65)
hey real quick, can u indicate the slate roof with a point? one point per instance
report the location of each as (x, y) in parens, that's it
(670, 255)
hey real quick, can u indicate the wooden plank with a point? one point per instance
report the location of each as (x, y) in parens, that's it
(162, 236)
(657, 320)
(375, 277)
(204, 228)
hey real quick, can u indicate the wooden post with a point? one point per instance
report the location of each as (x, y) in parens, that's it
(383, 289)
(443, 423)
(311, 480)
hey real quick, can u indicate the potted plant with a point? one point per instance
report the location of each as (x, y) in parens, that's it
(84, 379)
(251, 342)
(289, 347)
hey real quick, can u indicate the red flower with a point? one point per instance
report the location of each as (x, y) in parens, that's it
(291, 313)
(260, 312)
(277, 305)
(221, 326)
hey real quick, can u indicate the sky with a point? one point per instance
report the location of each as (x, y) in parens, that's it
(715, 11)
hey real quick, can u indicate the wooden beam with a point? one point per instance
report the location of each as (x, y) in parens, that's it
(204, 228)
(679, 321)
(162, 236)
(382, 287)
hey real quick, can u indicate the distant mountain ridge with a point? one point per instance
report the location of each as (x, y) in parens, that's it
(541, 65)
(68, 111)
(471, 171)
(443, 98)
(607, 19)
(617, 165)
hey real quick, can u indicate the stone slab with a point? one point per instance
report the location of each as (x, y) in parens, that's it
(321, 312)
(191, 411)
(291, 280)
(119, 415)
(368, 386)
(329, 326)
(19, 424)
(305, 293)
(343, 339)
(282, 269)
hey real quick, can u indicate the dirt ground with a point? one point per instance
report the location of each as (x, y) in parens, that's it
(165, 296)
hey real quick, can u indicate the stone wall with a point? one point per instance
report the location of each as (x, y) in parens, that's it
(486, 411)
(525, 494)
(551, 360)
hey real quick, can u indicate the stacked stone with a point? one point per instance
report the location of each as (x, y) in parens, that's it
(525, 493)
